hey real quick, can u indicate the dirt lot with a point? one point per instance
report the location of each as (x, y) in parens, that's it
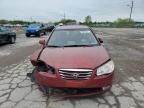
(126, 47)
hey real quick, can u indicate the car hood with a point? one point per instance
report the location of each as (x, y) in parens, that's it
(75, 57)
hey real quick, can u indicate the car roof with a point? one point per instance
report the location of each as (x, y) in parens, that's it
(67, 27)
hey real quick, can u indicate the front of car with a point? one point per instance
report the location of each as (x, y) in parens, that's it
(74, 58)
(49, 27)
(33, 29)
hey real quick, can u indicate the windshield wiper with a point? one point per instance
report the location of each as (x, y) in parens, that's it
(54, 46)
(80, 45)
(90, 45)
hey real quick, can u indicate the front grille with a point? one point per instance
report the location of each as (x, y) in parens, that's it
(75, 74)
(31, 31)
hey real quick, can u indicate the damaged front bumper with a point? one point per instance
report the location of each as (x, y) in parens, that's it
(94, 85)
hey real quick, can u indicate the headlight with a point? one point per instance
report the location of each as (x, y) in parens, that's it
(106, 68)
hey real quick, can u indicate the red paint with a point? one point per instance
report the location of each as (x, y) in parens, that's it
(55, 80)
(75, 57)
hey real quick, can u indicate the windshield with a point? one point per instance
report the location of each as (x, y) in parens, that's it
(34, 26)
(67, 38)
(2, 29)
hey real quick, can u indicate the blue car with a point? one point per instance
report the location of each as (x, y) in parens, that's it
(35, 29)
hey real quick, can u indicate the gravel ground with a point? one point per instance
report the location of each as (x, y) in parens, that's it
(126, 47)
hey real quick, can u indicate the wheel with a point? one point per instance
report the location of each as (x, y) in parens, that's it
(27, 35)
(31, 75)
(44, 33)
(12, 40)
(38, 34)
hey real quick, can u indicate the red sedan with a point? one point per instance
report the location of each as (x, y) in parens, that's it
(73, 58)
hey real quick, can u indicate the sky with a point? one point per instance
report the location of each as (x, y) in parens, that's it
(53, 10)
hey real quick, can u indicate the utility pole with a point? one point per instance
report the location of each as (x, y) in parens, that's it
(31, 19)
(64, 16)
(131, 9)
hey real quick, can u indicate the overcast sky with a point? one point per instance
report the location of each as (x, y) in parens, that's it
(53, 10)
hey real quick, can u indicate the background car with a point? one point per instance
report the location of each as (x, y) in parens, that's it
(49, 27)
(35, 29)
(7, 36)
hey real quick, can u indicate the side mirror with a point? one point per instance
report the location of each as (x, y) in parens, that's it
(100, 40)
(42, 42)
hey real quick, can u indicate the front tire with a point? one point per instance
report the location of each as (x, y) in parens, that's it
(12, 40)
(31, 75)
(44, 33)
(27, 35)
(38, 34)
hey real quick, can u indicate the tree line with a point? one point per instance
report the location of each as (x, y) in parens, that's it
(14, 22)
(120, 22)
